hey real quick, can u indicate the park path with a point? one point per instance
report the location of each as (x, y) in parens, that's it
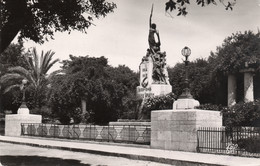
(135, 152)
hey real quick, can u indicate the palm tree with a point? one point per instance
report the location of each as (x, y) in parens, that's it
(38, 66)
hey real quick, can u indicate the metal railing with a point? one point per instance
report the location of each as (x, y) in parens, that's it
(242, 141)
(139, 134)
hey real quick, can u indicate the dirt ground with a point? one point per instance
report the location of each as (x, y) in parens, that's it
(14, 154)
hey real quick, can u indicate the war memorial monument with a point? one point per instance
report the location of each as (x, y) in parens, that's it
(174, 129)
(154, 79)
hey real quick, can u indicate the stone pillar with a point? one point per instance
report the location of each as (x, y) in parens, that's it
(232, 87)
(177, 129)
(248, 87)
(83, 106)
(13, 122)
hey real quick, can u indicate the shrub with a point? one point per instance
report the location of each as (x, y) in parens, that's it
(251, 144)
(242, 114)
(210, 107)
(157, 103)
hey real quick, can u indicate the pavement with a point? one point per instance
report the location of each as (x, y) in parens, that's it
(137, 152)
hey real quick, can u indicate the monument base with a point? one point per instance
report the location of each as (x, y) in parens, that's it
(153, 90)
(185, 104)
(13, 123)
(177, 129)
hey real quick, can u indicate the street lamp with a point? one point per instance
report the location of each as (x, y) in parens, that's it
(24, 82)
(186, 51)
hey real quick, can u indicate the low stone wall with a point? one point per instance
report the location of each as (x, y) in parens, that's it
(130, 123)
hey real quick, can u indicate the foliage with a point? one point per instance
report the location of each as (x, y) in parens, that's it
(131, 109)
(39, 19)
(35, 75)
(12, 56)
(62, 102)
(157, 103)
(242, 114)
(8, 100)
(250, 144)
(209, 106)
(200, 75)
(108, 91)
(44, 111)
(256, 84)
(239, 51)
(181, 5)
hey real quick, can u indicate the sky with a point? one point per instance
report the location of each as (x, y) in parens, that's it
(122, 36)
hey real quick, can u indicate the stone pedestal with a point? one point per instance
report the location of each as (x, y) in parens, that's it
(177, 129)
(185, 104)
(13, 122)
(148, 86)
(232, 88)
(154, 90)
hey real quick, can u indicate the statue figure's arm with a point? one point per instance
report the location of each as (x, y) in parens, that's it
(150, 20)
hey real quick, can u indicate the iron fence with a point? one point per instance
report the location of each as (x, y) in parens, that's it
(242, 141)
(139, 134)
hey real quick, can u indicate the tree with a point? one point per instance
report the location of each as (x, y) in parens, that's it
(12, 56)
(107, 91)
(35, 74)
(125, 79)
(79, 77)
(238, 51)
(200, 79)
(39, 19)
(181, 5)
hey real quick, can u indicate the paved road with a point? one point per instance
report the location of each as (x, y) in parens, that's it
(17, 153)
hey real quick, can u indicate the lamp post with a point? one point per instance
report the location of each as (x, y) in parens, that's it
(186, 51)
(24, 82)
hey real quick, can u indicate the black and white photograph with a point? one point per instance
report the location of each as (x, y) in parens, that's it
(129, 82)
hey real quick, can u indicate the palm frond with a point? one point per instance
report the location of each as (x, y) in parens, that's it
(9, 77)
(29, 62)
(36, 63)
(55, 73)
(23, 73)
(46, 63)
(9, 88)
(36, 59)
(20, 70)
(32, 80)
(51, 64)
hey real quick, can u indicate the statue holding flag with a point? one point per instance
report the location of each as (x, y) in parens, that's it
(153, 38)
